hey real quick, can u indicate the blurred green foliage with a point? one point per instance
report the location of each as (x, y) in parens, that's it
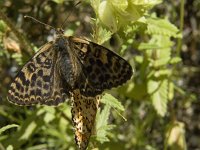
(146, 113)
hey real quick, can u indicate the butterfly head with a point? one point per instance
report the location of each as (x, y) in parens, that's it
(59, 31)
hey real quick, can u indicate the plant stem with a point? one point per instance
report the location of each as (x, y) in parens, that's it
(179, 45)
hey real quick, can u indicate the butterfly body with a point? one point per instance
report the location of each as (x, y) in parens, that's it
(69, 69)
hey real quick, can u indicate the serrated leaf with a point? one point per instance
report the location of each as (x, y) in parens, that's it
(8, 127)
(102, 127)
(162, 58)
(152, 86)
(160, 97)
(112, 101)
(162, 55)
(102, 133)
(102, 118)
(104, 35)
(162, 27)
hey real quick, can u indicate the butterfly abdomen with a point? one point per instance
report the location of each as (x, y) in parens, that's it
(84, 111)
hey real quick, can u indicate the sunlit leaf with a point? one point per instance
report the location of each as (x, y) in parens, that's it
(175, 136)
(8, 127)
(159, 96)
(112, 101)
(161, 26)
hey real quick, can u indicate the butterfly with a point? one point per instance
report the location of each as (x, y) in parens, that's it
(64, 66)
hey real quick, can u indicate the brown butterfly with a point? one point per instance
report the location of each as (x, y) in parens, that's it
(66, 64)
(70, 67)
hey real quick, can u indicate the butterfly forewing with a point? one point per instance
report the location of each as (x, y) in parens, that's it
(39, 81)
(101, 68)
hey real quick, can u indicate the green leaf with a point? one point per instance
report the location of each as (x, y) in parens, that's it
(58, 1)
(152, 86)
(107, 16)
(147, 46)
(102, 133)
(162, 61)
(162, 27)
(28, 131)
(18, 58)
(175, 136)
(162, 72)
(138, 59)
(159, 97)
(175, 60)
(116, 14)
(10, 147)
(171, 91)
(102, 35)
(162, 55)
(95, 4)
(50, 115)
(102, 126)
(145, 3)
(119, 5)
(3, 26)
(112, 101)
(8, 127)
(102, 118)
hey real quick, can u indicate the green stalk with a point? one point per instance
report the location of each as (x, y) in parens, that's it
(179, 45)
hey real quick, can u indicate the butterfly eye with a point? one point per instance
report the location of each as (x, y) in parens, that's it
(59, 31)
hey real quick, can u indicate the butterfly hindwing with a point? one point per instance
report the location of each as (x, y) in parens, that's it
(101, 68)
(38, 81)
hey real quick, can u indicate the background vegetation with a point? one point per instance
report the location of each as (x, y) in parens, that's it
(158, 109)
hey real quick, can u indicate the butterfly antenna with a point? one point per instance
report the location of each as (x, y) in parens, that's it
(39, 21)
(70, 14)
